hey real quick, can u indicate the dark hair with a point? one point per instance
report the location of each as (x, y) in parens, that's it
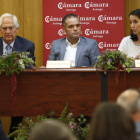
(68, 16)
(111, 122)
(135, 13)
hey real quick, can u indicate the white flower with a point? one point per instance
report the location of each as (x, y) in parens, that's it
(20, 61)
(22, 66)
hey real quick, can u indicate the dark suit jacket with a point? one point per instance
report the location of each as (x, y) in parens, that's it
(21, 45)
(86, 55)
(2, 133)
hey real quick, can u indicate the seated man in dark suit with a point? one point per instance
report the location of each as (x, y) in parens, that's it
(2, 134)
(81, 51)
(9, 28)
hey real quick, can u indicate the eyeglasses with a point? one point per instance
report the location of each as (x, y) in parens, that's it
(4, 29)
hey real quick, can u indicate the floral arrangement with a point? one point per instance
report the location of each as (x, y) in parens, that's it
(78, 125)
(113, 60)
(15, 62)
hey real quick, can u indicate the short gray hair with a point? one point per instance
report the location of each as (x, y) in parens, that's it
(15, 20)
(130, 100)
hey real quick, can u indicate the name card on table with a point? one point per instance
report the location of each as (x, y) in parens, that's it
(58, 64)
(137, 63)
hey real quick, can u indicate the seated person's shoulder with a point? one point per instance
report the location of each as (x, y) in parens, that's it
(24, 40)
(126, 38)
(88, 39)
(58, 40)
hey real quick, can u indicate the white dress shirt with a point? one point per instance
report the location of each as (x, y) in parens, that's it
(70, 54)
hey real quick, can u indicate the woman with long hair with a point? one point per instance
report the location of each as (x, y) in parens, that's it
(130, 45)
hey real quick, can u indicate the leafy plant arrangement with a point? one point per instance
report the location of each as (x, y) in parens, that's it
(78, 125)
(113, 60)
(15, 62)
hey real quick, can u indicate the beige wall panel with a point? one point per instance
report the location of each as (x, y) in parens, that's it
(6, 123)
(14, 7)
(130, 5)
(33, 27)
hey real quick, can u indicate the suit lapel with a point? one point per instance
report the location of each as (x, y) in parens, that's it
(80, 47)
(17, 45)
(62, 48)
(1, 46)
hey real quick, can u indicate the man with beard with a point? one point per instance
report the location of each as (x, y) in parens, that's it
(81, 51)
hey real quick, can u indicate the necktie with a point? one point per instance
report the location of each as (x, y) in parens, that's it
(9, 49)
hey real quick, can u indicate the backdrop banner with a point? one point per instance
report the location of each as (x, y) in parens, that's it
(102, 20)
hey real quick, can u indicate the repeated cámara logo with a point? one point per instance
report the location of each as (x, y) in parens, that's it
(96, 33)
(61, 32)
(109, 19)
(96, 6)
(48, 46)
(102, 45)
(69, 6)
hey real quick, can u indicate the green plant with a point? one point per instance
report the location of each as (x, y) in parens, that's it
(113, 60)
(78, 125)
(15, 62)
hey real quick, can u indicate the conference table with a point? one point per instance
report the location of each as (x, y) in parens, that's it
(40, 91)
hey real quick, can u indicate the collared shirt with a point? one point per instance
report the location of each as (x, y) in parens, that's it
(4, 47)
(70, 54)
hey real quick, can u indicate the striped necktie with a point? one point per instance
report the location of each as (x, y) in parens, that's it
(9, 49)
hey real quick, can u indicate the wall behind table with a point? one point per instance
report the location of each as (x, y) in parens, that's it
(29, 14)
